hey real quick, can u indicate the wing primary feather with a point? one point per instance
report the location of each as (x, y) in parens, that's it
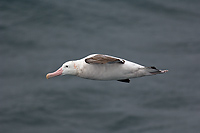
(103, 59)
(124, 80)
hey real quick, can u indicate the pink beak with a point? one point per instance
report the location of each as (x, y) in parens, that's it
(56, 73)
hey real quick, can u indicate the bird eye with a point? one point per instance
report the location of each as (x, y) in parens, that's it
(66, 66)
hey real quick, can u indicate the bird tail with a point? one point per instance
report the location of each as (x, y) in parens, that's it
(153, 70)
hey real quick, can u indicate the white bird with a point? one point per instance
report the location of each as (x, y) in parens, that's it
(105, 67)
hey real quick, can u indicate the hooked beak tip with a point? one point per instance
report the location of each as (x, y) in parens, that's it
(56, 73)
(47, 76)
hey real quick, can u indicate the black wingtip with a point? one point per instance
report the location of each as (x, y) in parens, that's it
(153, 67)
(124, 80)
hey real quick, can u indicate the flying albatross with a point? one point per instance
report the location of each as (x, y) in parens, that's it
(105, 67)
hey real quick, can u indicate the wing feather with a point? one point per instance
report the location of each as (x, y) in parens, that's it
(103, 59)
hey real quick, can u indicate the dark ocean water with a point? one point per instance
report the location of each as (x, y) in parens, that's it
(37, 36)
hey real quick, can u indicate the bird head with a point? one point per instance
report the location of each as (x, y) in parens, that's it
(68, 68)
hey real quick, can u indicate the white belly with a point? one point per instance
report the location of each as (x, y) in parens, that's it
(109, 71)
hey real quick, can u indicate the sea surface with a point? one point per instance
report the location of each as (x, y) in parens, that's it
(38, 36)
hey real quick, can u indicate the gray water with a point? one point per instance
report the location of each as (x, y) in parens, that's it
(37, 36)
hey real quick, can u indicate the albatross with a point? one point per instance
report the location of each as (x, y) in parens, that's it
(105, 67)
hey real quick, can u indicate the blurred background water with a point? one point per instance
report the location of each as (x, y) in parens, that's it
(37, 36)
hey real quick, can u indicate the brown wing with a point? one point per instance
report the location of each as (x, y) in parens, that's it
(103, 59)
